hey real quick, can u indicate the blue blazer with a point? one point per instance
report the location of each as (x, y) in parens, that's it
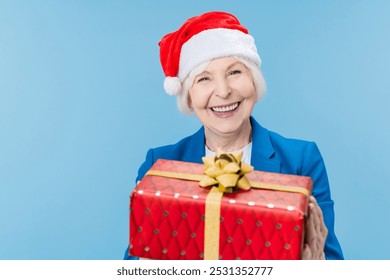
(270, 152)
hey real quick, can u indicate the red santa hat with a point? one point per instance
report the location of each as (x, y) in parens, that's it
(200, 39)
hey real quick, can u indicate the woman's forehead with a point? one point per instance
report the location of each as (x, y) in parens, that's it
(222, 63)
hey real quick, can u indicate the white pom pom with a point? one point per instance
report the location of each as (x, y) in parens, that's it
(172, 85)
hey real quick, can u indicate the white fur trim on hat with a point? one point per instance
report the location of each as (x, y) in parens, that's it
(172, 85)
(216, 43)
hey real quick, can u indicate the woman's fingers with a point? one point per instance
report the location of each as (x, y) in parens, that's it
(306, 253)
(316, 232)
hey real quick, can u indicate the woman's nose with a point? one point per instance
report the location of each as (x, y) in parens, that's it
(222, 88)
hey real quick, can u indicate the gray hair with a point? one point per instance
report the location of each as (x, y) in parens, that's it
(182, 98)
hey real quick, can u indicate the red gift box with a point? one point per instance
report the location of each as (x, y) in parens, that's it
(167, 216)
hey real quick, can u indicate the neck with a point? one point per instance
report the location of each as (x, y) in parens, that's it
(231, 141)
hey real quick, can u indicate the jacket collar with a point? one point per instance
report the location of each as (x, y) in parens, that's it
(196, 150)
(263, 152)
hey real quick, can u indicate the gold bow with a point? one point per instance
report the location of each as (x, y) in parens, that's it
(225, 171)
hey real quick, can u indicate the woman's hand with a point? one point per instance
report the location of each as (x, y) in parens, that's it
(316, 233)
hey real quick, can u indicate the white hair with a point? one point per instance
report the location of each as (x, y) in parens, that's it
(182, 98)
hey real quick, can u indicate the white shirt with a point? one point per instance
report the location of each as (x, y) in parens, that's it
(246, 153)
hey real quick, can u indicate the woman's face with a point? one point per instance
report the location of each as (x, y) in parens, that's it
(223, 95)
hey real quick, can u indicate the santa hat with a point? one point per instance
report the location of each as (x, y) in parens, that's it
(200, 39)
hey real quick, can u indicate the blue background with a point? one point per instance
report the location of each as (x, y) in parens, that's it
(81, 101)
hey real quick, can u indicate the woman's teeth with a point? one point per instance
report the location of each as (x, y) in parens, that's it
(224, 109)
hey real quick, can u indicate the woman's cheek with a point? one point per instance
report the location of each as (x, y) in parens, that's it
(200, 104)
(199, 98)
(245, 87)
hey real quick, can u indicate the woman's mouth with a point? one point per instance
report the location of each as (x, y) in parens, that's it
(226, 108)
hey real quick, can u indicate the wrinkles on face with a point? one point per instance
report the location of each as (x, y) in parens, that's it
(223, 97)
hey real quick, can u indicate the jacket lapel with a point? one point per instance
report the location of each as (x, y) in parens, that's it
(195, 150)
(263, 152)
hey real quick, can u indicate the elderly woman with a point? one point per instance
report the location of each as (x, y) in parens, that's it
(212, 65)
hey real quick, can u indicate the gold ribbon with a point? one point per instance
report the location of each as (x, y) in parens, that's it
(254, 184)
(226, 172)
(212, 224)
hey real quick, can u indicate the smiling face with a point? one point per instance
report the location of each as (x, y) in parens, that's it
(223, 96)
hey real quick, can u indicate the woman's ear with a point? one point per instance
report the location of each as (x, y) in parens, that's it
(189, 101)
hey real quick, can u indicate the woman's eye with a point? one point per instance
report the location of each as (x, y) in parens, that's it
(202, 79)
(234, 72)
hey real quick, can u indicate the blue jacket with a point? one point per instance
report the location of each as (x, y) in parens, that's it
(270, 152)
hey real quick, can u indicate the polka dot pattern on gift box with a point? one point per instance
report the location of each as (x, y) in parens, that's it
(170, 218)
